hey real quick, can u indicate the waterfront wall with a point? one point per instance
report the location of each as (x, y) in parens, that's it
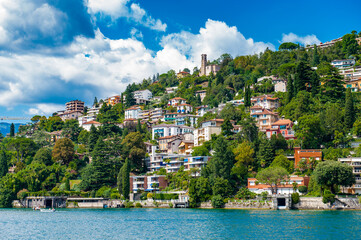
(242, 204)
(316, 203)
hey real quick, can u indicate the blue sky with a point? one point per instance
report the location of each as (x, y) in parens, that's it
(53, 51)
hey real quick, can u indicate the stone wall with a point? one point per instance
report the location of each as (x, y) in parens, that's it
(316, 203)
(242, 204)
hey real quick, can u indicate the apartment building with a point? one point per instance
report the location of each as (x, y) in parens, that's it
(204, 133)
(147, 183)
(74, 105)
(196, 162)
(156, 114)
(344, 63)
(184, 108)
(265, 101)
(307, 154)
(113, 100)
(355, 163)
(163, 142)
(286, 186)
(170, 117)
(143, 94)
(164, 130)
(132, 113)
(282, 126)
(201, 110)
(186, 119)
(176, 101)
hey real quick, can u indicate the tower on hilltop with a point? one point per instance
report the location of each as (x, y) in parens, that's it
(203, 65)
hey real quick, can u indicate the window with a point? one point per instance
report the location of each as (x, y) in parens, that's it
(264, 121)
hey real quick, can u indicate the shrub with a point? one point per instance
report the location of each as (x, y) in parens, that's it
(302, 189)
(245, 193)
(295, 198)
(22, 194)
(217, 201)
(264, 195)
(328, 197)
(156, 204)
(115, 195)
(359, 199)
(128, 204)
(150, 195)
(171, 205)
(103, 192)
(138, 205)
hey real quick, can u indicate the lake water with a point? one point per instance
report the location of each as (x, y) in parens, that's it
(179, 224)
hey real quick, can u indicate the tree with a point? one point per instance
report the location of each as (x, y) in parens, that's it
(4, 160)
(12, 130)
(200, 151)
(266, 152)
(302, 77)
(290, 89)
(93, 137)
(71, 129)
(95, 103)
(139, 126)
(282, 161)
(43, 155)
(221, 163)
(24, 147)
(247, 96)
(310, 131)
(227, 127)
(357, 128)
(316, 56)
(221, 187)
(129, 99)
(199, 191)
(125, 179)
(332, 87)
(349, 110)
(279, 142)
(333, 173)
(244, 154)
(134, 150)
(315, 83)
(272, 176)
(288, 46)
(349, 44)
(63, 151)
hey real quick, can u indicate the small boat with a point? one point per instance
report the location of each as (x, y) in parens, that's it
(47, 210)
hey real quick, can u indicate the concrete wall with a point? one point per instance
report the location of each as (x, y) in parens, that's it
(240, 204)
(316, 203)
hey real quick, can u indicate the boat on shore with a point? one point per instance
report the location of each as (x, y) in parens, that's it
(47, 210)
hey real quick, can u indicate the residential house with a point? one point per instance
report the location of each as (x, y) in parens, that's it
(204, 133)
(68, 115)
(184, 108)
(176, 101)
(182, 74)
(280, 85)
(156, 114)
(170, 90)
(355, 163)
(164, 130)
(264, 117)
(132, 112)
(344, 63)
(282, 126)
(170, 117)
(185, 147)
(163, 142)
(143, 94)
(147, 183)
(88, 125)
(186, 119)
(196, 162)
(113, 100)
(265, 101)
(201, 110)
(307, 154)
(286, 186)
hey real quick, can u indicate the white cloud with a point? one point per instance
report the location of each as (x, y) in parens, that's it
(45, 109)
(135, 33)
(214, 39)
(306, 40)
(120, 8)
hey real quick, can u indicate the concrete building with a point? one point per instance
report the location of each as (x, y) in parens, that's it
(68, 115)
(204, 133)
(170, 90)
(147, 183)
(182, 74)
(132, 112)
(186, 119)
(113, 100)
(282, 126)
(170, 117)
(156, 114)
(280, 85)
(143, 94)
(184, 108)
(201, 110)
(206, 69)
(355, 163)
(307, 154)
(74, 105)
(326, 44)
(165, 130)
(344, 63)
(196, 162)
(286, 186)
(163, 143)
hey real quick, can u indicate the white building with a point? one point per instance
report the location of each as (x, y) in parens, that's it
(143, 94)
(344, 63)
(170, 90)
(132, 112)
(355, 163)
(165, 130)
(204, 133)
(176, 101)
(201, 110)
(265, 101)
(88, 125)
(184, 119)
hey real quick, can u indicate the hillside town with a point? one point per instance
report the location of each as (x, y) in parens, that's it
(220, 130)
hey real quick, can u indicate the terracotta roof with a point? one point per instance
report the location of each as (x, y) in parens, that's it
(92, 122)
(282, 122)
(132, 108)
(177, 98)
(264, 111)
(256, 107)
(184, 104)
(183, 72)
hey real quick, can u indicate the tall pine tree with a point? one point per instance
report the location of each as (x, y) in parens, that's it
(247, 96)
(316, 56)
(12, 130)
(290, 89)
(315, 83)
(125, 179)
(3, 163)
(349, 109)
(93, 137)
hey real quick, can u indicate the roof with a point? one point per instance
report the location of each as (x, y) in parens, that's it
(132, 108)
(91, 122)
(256, 107)
(264, 112)
(200, 91)
(184, 104)
(168, 137)
(183, 72)
(177, 98)
(283, 122)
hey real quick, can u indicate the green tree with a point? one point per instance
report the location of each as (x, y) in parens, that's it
(332, 87)
(134, 150)
(43, 155)
(4, 161)
(71, 129)
(244, 154)
(266, 152)
(349, 44)
(315, 83)
(12, 130)
(247, 97)
(93, 137)
(282, 161)
(288, 46)
(24, 147)
(95, 103)
(221, 187)
(333, 173)
(200, 151)
(83, 137)
(63, 151)
(357, 128)
(125, 179)
(290, 89)
(272, 176)
(349, 110)
(316, 56)
(302, 77)
(310, 131)
(199, 191)
(227, 128)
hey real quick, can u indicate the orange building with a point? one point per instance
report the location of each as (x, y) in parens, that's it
(307, 154)
(286, 186)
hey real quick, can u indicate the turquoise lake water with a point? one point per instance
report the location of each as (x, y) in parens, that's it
(179, 224)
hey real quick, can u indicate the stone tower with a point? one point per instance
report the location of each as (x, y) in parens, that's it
(203, 65)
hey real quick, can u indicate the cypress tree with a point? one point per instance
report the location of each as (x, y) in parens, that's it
(95, 103)
(315, 83)
(3, 163)
(125, 179)
(139, 127)
(316, 56)
(349, 109)
(247, 96)
(12, 130)
(290, 89)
